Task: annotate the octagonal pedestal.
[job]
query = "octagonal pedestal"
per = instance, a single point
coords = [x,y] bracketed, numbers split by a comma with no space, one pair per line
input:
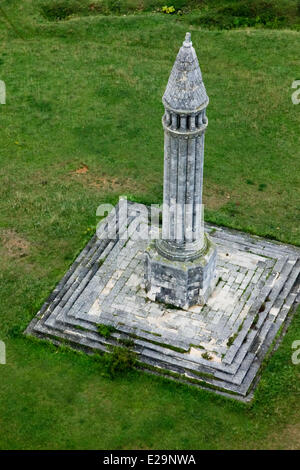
[181,283]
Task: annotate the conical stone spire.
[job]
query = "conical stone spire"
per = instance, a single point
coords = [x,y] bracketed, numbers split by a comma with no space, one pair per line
[185,90]
[180,267]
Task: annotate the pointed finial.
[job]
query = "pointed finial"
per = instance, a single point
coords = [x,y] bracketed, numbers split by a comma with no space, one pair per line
[187,42]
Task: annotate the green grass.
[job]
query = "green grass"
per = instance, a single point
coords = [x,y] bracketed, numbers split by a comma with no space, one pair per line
[81,126]
[105,330]
[230,14]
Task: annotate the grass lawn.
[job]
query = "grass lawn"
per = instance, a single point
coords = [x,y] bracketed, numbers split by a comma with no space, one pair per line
[81,126]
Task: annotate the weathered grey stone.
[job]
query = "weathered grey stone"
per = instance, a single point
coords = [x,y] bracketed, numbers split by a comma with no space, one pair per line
[235,344]
[211,336]
[185,90]
[180,268]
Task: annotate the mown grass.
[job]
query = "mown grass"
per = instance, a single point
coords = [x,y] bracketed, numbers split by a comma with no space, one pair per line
[81,126]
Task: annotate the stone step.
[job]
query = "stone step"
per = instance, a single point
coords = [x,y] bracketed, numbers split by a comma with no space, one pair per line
[276,302]
[269,329]
[254,241]
[68,280]
[265,326]
[266,291]
[221,381]
[93,344]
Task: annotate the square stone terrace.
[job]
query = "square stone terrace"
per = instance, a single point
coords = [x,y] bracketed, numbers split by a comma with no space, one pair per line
[219,345]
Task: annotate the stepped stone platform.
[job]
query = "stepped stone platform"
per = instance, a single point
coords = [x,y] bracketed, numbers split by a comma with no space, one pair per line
[219,346]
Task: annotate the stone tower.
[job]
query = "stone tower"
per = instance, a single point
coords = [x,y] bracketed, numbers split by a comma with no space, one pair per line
[180,266]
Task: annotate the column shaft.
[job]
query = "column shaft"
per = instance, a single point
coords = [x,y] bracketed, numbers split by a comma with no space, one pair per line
[197,209]
[181,191]
[173,186]
[190,190]
[167,168]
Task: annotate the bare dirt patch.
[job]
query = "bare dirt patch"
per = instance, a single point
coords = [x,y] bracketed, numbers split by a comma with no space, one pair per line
[13,245]
[82,170]
[104,182]
[214,196]
[288,438]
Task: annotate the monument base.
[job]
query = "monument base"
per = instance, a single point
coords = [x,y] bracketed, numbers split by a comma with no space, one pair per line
[181,283]
[218,346]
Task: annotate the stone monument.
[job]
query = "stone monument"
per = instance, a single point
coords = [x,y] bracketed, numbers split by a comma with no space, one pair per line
[218,334]
[180,267]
